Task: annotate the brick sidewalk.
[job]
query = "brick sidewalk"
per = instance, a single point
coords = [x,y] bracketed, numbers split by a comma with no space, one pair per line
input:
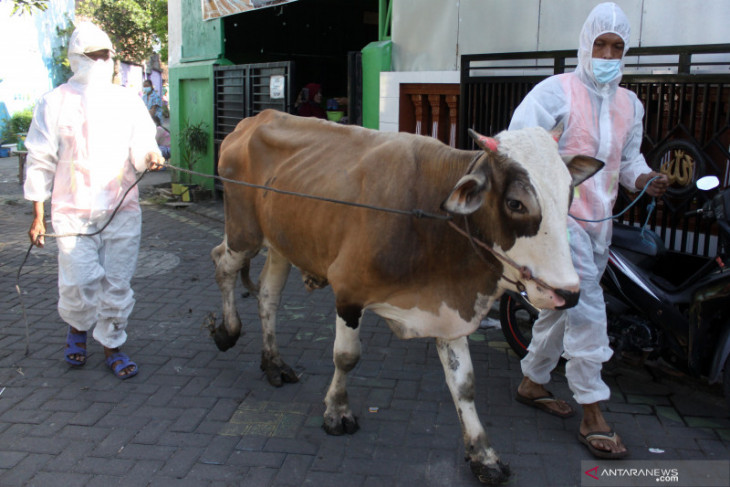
[196,416]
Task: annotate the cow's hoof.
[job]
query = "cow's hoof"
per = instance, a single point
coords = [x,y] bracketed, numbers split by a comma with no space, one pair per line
[490,474]
[223,340]
[277,375]
[346,425]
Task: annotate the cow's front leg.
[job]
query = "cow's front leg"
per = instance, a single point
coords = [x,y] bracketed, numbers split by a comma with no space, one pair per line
[482,458]
[227,265]
[273,278]
[338,417]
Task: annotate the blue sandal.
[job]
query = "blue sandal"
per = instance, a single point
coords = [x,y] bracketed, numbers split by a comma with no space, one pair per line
[73,340]
[124,362]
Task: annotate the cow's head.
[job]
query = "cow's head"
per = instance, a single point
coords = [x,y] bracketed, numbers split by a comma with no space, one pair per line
[516,197]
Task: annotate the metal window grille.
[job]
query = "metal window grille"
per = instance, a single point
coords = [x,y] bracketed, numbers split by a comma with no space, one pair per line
[242,91]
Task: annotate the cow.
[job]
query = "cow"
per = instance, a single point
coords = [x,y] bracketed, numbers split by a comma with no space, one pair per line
[424,235]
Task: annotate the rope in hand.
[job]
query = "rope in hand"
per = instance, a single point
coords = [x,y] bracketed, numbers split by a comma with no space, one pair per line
[54,235]
[651,206]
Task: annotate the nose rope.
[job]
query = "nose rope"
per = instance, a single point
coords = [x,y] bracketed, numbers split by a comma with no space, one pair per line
[524,271]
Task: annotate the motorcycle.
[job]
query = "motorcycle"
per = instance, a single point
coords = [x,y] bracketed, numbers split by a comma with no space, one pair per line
[659,303]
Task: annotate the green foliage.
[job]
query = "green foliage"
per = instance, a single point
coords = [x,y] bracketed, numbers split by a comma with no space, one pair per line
[194,140]
[22,7]
[19,123]
[158,9]
[134,26]
[62,68]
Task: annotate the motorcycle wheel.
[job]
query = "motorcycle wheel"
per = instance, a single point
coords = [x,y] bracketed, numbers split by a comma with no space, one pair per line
[516,318]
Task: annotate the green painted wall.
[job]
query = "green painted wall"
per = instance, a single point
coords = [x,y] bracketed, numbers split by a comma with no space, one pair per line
[191,88]
[201,40]
[192,102]
[376,57]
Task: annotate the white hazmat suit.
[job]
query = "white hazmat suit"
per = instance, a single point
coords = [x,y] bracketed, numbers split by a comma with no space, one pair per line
[87,139]
[604,121]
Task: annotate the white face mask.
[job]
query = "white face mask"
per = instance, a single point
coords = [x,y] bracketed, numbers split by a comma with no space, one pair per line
[606,70]
[93,73]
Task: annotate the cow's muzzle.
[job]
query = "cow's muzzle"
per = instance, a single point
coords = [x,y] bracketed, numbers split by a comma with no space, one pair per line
[570,297]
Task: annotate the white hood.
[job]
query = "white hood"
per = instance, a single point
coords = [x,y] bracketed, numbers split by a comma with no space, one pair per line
[604,18]
[89,38]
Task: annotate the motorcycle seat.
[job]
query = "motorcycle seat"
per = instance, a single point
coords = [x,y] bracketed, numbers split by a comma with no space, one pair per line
[631,238]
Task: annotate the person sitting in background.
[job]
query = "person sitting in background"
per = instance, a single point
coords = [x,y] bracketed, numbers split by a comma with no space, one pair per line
[162,136]
[309,102]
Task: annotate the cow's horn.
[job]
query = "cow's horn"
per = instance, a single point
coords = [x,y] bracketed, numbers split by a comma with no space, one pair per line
[557,131]
[487,143]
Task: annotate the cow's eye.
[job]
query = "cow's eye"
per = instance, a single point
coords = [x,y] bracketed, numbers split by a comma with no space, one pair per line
[516,206]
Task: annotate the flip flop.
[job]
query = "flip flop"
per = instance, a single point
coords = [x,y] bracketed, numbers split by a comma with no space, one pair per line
[73,340]
[601,435]
[542,402]
[124,362]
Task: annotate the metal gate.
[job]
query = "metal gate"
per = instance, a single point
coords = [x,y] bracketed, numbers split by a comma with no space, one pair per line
[247,89]
[686,95]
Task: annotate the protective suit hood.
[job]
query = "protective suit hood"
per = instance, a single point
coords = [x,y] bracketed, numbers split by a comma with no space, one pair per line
[604,18]
[86,38]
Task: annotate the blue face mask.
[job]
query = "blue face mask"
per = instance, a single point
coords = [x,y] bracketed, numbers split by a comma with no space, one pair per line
[606,70]
[147,89]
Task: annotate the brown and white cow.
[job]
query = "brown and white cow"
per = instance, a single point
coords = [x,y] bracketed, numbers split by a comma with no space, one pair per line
[421,275]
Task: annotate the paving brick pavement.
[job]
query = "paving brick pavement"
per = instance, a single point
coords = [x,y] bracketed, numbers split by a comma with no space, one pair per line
[196,416]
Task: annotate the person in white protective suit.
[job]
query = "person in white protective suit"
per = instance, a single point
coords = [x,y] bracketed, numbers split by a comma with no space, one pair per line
[602,120]
[86,140]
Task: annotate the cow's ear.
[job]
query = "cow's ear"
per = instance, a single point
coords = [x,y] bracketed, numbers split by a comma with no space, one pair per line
[582,167]
[489,144]
[467,196]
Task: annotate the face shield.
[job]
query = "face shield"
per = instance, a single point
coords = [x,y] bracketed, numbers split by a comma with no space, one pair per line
[604,18]
[85,39]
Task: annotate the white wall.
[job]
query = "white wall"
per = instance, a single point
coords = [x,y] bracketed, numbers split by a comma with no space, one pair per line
[431,35]
[425,34]
[174,32]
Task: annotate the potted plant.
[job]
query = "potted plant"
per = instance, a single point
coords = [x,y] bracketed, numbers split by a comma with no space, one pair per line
[194,143]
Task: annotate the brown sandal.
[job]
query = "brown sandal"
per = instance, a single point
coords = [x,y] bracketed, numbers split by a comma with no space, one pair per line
[542,402]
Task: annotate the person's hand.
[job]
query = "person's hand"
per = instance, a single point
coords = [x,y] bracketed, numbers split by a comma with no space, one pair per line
[657,188]
[154,161]
[36,232]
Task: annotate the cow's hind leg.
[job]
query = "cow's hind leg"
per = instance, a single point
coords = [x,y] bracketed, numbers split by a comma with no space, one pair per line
[228,263]
[338,417]
[482,458]
[272,281]
[251,287]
